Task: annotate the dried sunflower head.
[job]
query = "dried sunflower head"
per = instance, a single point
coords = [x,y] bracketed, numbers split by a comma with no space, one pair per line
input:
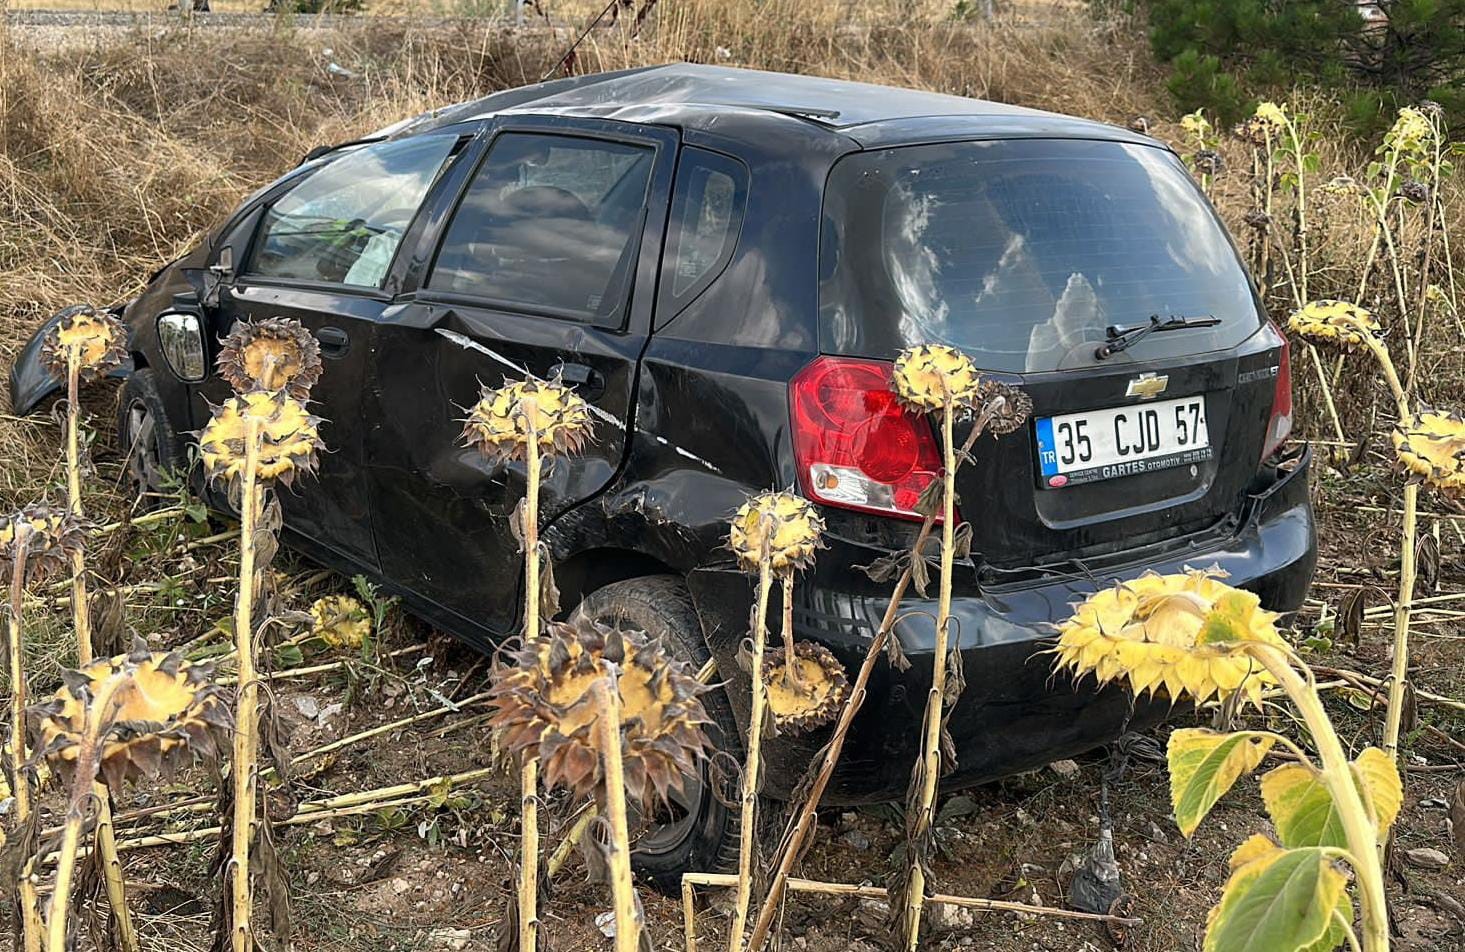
[95,341]
[1209,162]
[288,435]
[933,376]
[45,537]
[546,705]
[788,525]
[1181,632]
[501,421]
[167,713]
[340,621]
[1340,186]
[273,354]
[1339,323]
[1006,407]
[815,693]
[1431,446]
[1414,191]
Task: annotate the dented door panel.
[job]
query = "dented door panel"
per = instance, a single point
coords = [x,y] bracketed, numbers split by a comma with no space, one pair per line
[442,511]
[442,514]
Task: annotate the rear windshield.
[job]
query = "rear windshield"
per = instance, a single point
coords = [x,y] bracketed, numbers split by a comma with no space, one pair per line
[1023,252]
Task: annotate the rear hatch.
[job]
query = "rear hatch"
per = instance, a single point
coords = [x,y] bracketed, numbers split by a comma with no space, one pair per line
[1030,255]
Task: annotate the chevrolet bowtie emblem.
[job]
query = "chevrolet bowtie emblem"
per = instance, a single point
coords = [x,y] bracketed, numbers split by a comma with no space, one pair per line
[1147,386]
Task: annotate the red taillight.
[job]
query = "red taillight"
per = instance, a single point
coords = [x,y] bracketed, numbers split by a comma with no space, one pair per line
[853,444]
[1279,426]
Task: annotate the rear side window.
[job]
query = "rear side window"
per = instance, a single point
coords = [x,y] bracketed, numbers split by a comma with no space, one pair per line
[550,224]
[1023,252]
[343,222]
[707,214]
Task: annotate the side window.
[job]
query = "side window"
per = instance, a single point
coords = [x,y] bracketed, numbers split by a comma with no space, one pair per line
[550,224]
[343,223]
[707,214]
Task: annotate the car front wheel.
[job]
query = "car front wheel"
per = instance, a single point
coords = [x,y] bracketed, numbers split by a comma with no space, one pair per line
[697,830]
[146,439]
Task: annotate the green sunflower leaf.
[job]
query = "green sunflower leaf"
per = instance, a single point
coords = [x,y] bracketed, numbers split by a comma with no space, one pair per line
[1204,765]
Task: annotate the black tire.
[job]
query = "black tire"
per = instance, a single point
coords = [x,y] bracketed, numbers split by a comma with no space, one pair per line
[701,832]
[146,439]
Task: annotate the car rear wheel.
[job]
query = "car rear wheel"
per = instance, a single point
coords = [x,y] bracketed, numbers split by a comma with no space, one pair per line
[697,831]
[146,439]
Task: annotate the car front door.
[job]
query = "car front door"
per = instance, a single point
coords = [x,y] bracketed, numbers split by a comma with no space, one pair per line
[321,253]
[544,266]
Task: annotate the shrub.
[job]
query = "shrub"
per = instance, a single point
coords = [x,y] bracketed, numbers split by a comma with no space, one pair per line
[1402,51]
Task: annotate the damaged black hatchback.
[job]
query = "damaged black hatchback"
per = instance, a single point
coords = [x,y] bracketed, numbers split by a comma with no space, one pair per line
[724,263]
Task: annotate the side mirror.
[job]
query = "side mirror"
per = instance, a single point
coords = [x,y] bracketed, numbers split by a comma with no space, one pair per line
[220,274]
[180,336]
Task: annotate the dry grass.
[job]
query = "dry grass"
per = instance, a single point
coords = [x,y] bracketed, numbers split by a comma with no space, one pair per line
[116,152]
[119,148]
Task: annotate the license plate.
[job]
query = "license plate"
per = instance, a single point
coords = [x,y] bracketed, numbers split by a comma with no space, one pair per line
[1078,448]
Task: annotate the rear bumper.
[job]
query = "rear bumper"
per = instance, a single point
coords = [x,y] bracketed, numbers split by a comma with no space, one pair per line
[1015,714]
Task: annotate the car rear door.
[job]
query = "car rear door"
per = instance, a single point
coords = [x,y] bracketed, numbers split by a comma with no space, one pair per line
[321,253]
[545,265]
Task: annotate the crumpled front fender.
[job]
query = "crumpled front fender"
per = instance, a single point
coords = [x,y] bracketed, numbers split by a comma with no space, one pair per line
[30,382]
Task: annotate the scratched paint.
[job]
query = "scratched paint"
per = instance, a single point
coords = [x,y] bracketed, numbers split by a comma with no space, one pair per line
[469,343]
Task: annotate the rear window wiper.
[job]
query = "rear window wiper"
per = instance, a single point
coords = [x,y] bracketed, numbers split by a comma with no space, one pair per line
[1123,338]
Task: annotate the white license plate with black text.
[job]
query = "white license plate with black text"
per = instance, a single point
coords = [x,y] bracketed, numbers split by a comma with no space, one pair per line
[1085,447]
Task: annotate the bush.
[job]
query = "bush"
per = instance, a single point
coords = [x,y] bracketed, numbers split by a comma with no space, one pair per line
[1402,51]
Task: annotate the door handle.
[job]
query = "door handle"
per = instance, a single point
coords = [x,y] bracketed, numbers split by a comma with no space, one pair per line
[586,381]
[334,342]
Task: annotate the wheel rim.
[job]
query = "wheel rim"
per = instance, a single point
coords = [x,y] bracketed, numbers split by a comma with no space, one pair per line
[666,827]
[670,825]
[143,463]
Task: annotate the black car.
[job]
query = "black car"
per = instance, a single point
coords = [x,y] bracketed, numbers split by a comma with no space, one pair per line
[725,262]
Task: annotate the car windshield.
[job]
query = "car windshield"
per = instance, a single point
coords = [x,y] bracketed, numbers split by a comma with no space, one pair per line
[1023,253]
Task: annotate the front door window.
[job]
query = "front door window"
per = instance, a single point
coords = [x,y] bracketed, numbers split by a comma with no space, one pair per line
[342,224]
[550,225]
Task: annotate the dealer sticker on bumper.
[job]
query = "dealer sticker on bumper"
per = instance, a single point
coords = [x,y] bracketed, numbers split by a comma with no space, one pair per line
[1086,447]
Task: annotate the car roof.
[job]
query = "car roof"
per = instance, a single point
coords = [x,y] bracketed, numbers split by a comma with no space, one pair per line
[697,96]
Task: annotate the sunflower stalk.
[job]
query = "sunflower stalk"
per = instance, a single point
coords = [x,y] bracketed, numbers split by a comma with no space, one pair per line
[748,811]
[1350,325]
[1337,774]
[529,766]
[111,864]
[919,827]
[790,668]
[861,891]
[100,712]
[1298,279]
[801,826]
[80,610]
[243,775]
[561,854]
[30,915]
[623,890]
[797,836]
[1403,603]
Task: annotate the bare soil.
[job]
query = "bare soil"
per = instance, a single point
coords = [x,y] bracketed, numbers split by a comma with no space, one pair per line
[438,873]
